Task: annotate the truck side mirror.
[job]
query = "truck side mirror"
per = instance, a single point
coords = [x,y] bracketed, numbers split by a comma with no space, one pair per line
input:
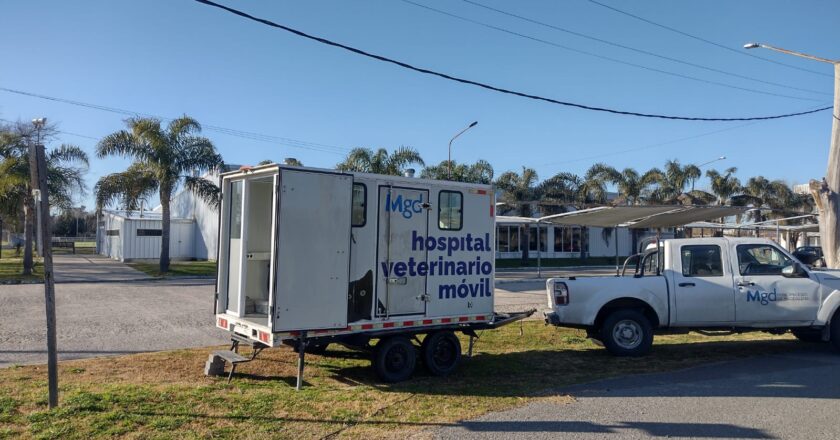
[794,270]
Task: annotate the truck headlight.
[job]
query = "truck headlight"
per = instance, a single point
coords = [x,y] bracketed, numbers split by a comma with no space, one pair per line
[561,294]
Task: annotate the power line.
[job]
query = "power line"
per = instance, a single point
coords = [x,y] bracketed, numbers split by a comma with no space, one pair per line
[603,57]
[483,85]
[637,50]
[704,40]
[289,142]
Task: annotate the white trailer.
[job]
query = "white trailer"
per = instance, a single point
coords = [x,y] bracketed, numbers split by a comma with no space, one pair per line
[308,257]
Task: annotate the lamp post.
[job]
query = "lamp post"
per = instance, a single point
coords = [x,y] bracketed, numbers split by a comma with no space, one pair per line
[704,164]
[825,193]
[39,124]
[449,162]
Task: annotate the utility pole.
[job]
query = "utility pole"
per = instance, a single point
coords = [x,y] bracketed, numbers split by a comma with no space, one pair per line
[38,179]
[826,193]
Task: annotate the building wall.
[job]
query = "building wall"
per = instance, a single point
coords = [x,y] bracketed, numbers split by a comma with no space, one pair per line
[124,242]
[206,234]
[596,242]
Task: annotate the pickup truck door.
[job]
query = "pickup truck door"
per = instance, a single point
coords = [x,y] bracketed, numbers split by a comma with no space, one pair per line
[703,285]
[763,295]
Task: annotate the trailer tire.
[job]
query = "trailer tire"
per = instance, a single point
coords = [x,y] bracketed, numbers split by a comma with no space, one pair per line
[441,352]
[807,335]
[627,332]
[394,359]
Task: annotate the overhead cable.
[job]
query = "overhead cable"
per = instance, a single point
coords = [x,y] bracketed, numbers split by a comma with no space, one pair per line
[487,86]
[637,50]
[289,142]
[739,51]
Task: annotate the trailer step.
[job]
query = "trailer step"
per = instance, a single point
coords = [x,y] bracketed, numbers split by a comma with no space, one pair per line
[231,356]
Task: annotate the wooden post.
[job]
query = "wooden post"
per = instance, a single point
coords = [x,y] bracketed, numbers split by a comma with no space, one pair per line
[38,179]
[827,193]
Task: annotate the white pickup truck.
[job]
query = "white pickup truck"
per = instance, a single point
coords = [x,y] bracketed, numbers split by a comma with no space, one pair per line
[707,284]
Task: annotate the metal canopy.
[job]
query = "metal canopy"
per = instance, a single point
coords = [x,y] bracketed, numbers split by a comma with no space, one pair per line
[641,216]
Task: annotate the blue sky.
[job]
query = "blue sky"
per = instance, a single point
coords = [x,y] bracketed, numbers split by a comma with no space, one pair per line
[178,57]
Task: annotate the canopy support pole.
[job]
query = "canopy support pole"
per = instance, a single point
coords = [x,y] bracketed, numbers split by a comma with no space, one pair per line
[615,238]
[539,252]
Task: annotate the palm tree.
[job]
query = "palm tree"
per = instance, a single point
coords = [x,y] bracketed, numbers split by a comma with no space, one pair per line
[631,186]
[163,159]
[774,195]
[66,166]
[724,186]
[479,172]
[521,191]
[365,160]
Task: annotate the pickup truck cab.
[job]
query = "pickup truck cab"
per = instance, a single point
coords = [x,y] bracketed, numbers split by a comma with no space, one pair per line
[707,284]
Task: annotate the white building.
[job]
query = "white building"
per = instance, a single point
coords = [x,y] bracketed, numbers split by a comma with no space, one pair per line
[136,235]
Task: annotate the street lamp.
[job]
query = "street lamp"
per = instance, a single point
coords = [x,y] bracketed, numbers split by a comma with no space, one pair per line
[704,164]
[449,163]
[825,192]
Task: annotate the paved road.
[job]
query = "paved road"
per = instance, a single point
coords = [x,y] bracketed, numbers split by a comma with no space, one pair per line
[91,268]
[790,396]
[103,319]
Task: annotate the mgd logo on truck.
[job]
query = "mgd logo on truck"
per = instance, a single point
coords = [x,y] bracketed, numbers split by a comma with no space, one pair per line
[763,297]
[407,207]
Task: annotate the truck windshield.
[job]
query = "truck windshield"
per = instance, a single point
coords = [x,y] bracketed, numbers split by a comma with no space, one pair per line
[761,259]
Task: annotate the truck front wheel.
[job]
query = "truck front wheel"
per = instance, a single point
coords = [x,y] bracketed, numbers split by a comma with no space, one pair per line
[627,333]
[394,359]
[835,331]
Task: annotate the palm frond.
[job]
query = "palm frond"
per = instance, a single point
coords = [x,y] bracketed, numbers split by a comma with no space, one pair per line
[204,189]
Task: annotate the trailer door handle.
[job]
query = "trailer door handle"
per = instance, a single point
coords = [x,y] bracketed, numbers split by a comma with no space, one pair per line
[745,283]
[686,284]
[400,281]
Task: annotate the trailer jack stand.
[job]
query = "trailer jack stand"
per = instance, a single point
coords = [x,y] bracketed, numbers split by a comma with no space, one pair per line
[473,336]
[301,356]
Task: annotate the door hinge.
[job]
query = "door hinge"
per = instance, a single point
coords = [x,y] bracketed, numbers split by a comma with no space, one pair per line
[400,281]
[424,297]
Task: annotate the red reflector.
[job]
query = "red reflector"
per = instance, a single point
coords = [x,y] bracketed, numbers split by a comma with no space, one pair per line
[479,318]
[481,191]
[492,210]
[264,337]
[367,326]
[294,333]
[387,325]
[223,322]
[408,323]
[428,321]
[445,320]
[463,318]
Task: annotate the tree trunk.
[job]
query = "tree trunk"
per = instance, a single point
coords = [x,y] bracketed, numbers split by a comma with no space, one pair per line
[28,232]
[826,193]
[165,226]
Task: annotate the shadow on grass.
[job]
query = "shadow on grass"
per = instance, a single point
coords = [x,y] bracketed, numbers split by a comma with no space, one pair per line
[531,373]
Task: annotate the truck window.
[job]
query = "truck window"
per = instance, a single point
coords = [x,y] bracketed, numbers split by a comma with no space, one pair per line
[358,218]
[701,261]
[760,259]
[450,210]
[649,263]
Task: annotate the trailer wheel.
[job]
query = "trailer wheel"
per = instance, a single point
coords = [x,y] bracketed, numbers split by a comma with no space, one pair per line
[627,332]
[394,359]
[807,335]
[441,353]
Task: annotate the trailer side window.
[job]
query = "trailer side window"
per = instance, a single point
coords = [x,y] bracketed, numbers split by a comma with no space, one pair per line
[359,215]
[450,210]
[701,261]
[149,232]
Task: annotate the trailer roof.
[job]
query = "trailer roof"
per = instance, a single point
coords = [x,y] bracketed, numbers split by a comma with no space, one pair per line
[401,179]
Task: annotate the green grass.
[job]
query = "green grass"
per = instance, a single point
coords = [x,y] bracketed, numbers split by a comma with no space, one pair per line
[165,395]
[178,268]
[558,262]
[11,266]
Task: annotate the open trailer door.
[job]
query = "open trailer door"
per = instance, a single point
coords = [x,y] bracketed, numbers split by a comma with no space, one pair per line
[312,261]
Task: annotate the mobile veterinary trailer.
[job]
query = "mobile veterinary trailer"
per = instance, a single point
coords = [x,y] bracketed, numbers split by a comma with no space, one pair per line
[308,257]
